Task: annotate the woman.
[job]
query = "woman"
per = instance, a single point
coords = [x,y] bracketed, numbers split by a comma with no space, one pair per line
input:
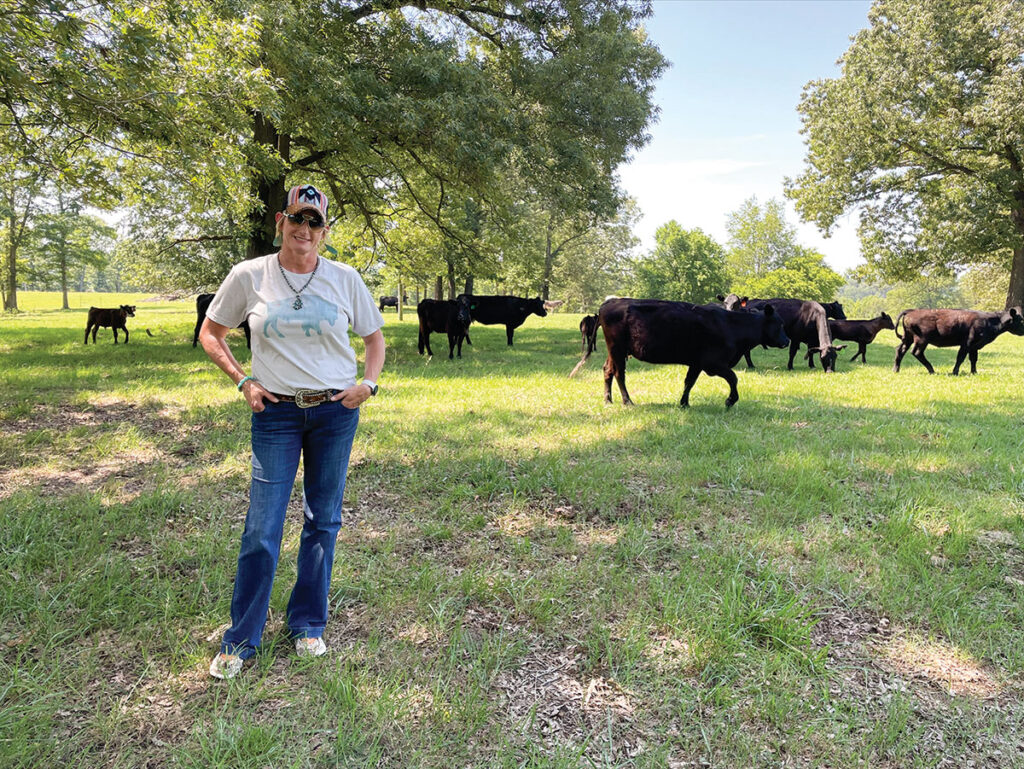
[305,401]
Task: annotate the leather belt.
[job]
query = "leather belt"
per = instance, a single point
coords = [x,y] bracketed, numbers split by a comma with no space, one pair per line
[305,399]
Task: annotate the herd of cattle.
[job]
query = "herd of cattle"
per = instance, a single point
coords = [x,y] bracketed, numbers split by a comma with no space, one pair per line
[709,338]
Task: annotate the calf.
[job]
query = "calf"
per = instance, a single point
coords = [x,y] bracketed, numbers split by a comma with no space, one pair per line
[708,339]
[588,330]
[388,301]
[108,317]
[202,305]
[863,332]
[510,311]
[969,329]
[443,317]
[805,322]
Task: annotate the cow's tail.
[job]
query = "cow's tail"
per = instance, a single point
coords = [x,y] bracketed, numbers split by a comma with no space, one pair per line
[150,332]
[896,325]
[580,364]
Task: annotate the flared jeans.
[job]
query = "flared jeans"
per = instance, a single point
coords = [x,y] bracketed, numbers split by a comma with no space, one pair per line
[281,433]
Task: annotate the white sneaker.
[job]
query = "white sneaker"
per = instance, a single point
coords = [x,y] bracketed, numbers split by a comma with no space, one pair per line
[310,647]
[226,666]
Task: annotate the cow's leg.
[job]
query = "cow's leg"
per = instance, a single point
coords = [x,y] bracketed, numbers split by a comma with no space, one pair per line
[861,352]
[961,354]
[810,356]
[451,346]
[691,379]
[794,348]
[509,331]
[617,369]
[750,363]
[458,340]
[973,355]
[419,341]
[195,334]
[729,376]
[900,352]
[918,352]
[125,330]
[86,334]
[426,342]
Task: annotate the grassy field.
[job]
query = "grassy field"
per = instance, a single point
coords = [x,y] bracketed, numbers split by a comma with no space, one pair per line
[829,574]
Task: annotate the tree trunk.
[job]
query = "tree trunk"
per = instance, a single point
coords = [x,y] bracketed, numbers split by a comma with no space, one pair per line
[549,260]
[401,297]
[11,287]
[62,251]
[439,288]
[271,192]
[469,285]
[1015,294]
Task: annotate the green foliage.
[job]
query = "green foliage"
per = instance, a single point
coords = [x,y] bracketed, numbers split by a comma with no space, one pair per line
[686,265]
[922,133]
[983,287]
[760,239]
[927,291]
[804,276]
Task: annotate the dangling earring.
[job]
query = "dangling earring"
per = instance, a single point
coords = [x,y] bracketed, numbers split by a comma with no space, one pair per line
[277,238]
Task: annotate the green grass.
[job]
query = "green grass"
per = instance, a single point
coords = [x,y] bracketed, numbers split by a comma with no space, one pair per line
[828,574]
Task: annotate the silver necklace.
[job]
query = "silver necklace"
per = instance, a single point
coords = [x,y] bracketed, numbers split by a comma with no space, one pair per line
[297,304]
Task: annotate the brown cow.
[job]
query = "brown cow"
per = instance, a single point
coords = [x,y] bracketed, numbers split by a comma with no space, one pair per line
[863,332]
[708,339]
[108,317]
[969,329]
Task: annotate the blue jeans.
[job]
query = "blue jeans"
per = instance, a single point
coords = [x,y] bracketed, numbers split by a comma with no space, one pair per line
[322,435]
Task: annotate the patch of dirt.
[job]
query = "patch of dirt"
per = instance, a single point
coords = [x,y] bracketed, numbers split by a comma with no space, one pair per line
[548,700]
[872,661]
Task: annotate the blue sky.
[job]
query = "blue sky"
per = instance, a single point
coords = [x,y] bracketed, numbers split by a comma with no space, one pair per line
[728,127]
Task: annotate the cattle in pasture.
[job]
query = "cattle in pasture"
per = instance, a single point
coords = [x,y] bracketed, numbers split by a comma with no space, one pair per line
[708,339]
[863,332]
[588,331]
[443,317]
[970,330]
[392,301]
[508,311]
[805,322]
[202,305]
[113,318]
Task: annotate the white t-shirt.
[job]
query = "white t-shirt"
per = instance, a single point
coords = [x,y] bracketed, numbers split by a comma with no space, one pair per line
[304,348]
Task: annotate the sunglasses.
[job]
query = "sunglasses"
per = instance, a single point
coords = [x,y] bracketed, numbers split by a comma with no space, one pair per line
[315,221]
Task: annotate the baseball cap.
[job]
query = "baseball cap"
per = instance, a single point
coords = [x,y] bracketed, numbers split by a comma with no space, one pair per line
[305,197]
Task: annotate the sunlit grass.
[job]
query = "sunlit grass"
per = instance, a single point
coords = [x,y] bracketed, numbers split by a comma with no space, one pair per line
[527,577]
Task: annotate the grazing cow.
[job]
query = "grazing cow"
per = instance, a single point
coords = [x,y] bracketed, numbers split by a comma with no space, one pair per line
[202,305]
[108,317]
[863,332]
[708,339]
[443,317]
[969,329]
[588,330]
[509,311]
[806,323]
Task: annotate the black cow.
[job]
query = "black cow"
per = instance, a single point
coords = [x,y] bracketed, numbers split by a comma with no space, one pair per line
[806,323]
[969,329]
[708,339]
[588,330]
[509,311]
[392,301]
[108,317]
[863,332]
[443,317]
[202,305]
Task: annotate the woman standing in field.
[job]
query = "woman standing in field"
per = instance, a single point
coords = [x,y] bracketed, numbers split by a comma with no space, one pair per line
[305,401]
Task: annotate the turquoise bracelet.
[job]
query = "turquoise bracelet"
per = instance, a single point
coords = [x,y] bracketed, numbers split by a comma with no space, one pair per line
[242,381]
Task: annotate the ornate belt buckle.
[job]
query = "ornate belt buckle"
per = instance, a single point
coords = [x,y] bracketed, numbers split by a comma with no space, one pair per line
[305,399]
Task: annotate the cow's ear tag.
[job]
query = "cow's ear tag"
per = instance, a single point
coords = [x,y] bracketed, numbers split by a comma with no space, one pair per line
[472,307]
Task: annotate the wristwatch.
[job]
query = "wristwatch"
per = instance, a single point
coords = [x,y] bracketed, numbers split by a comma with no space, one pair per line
[372,385]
